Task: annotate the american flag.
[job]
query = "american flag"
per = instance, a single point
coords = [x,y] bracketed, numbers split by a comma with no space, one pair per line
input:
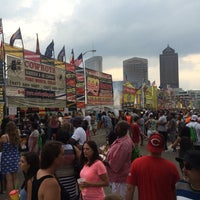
[79,60]
[1,26]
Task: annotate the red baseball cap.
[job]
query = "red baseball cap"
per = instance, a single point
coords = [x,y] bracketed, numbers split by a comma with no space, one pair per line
[155,143]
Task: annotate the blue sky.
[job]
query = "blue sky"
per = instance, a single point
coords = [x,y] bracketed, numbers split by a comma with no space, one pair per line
[117,29]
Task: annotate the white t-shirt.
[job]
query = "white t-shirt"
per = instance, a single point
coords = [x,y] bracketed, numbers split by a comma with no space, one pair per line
[163,120]
[88,118]
[79,135]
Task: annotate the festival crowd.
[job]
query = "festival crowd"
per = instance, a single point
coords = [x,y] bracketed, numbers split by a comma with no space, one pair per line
[60,161]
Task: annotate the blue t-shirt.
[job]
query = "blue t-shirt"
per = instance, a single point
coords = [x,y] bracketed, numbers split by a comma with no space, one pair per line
[107,121]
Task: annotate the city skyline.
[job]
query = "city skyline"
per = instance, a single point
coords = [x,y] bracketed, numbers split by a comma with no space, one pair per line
[117,29]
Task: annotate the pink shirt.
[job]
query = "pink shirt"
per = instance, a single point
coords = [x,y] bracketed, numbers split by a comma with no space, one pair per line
[119,159]
[92,174]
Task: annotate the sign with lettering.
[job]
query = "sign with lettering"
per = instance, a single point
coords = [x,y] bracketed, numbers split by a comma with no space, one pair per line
[99,88]
[34,75]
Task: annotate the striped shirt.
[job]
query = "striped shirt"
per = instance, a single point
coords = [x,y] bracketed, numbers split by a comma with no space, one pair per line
[185,192]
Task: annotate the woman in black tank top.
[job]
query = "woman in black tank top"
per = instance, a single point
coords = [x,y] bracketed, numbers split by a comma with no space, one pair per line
[45,184]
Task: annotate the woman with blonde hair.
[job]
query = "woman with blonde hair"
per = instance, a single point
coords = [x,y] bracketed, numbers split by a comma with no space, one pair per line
[10,155]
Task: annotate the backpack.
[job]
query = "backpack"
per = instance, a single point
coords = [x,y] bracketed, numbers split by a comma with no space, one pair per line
[193,134]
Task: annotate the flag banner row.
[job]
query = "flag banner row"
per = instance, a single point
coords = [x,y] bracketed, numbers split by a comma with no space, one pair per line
[49,52]
[29,77]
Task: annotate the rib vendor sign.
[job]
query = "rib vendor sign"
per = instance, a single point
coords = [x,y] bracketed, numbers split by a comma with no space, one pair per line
[99,88]
[34,75]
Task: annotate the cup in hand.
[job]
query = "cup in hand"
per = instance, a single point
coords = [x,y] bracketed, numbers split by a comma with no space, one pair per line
[14,195]
[80,180]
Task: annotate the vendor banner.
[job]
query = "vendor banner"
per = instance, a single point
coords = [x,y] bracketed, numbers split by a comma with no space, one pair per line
[34,75]
[99,88]
[80,87]
[129,94]
[1,93]
[70,87]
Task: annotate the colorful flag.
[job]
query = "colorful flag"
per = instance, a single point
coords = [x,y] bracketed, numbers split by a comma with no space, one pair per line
[72,57]
[37,46]
[1,26]
[49,50]
[16,35]
[79,60]
[61,54]
[29,55]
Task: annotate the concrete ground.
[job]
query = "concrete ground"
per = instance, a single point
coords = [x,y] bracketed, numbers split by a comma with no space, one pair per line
[100,139]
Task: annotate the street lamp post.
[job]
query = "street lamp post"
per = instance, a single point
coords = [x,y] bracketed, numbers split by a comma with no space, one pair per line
[84,71]
[92,51]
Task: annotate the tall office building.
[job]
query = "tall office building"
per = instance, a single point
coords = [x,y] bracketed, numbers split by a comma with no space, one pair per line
[94,63]
[169,75]
[135,70]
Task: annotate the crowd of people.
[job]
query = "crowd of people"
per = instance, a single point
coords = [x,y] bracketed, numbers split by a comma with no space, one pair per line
[60,161]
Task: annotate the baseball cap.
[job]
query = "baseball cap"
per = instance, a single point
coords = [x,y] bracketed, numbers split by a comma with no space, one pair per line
[192,158]
[194,118]
[155,143]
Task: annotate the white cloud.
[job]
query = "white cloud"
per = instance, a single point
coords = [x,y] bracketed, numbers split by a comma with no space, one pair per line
[189,68]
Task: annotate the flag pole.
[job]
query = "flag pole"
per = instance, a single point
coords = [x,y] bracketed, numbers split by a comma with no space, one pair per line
[3,72]
[53,52]
[37,51]
[65,54]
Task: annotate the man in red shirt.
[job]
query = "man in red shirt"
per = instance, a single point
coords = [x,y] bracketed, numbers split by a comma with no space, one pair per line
[154,176]
[135,130]
[128,118]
